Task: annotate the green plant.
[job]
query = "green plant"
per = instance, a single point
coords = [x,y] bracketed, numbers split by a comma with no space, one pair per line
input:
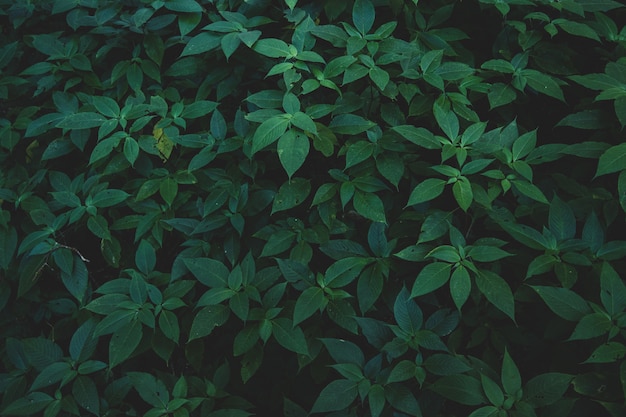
[369,207]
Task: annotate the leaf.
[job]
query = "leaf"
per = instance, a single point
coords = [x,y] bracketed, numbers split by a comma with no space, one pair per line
[462,389]
[510,376]
[563,302]
[210,272]
[293,148]
[201,43]
[370,206]
[273,48]
[350,124]
[462,191]
[124,342]
[268,132]
[363,15]
[426,190]
[310,300]
[108,198]
[337,395]
[543,84]
[344,271]
[407,313]
[402,399]
[586,119]
[430,278]
[612,160]
[28,405]
[418,135]
[150,389]
[291,194]
[546,389]
[529,190]
[590,326]
[85,120]
[86,394]
[376,400]
[184,6]
[369,287]
[145,257]
[492,391]
[278,242]
[500,95]
[289,336]
[497,291]
[561,220]
[612,290]
[207,319]
[607,353]
[77,282]
[460,286]
[343,351]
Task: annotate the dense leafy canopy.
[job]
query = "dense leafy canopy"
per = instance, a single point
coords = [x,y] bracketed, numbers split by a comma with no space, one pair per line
[290,207]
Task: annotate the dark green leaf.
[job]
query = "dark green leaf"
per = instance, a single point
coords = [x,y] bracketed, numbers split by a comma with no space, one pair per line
[430,278]
[462,389]
[337,395]
[497,291]
[563,302]
[546,389]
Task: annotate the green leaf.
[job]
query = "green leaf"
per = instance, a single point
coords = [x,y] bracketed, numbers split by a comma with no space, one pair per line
[268,132]
[245,340]
[561,220]
[430,278]
[289,336]
[563,302]
[407,313]
[350,124]
[291,194]
[293,148]
[586,119]
[484,253]
[86,394]
[85,120]
[376,400]
[463,194]
[546,389]
[183,6]
[403,371]
[207,319]
[543,83]
[370,206]
[363,15]
[460,286]
[311,300]
[492,391]
[369,287]
[462,389]
[150,389]
[402,399]
[607,353]
[529,190]
[510,376]
[612,290]
[210,272]
[201,43]
[278,242]
[590,326]
[145,257]
[124,342]
[612,160]
[418,135]
[343,351]
[51,374]
[426,190]
[168,323]
[358,152]
[337,395]
[77,282]
[273,48]
[28,405]
[108,198]
[500,95]
[344,271]
[497,291]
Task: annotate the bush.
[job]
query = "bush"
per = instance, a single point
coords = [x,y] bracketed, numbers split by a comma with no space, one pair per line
[360,208]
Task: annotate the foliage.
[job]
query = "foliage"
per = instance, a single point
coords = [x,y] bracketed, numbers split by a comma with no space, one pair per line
[370,207]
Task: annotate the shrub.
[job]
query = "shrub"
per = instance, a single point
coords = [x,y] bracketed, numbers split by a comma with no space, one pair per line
[359,208]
